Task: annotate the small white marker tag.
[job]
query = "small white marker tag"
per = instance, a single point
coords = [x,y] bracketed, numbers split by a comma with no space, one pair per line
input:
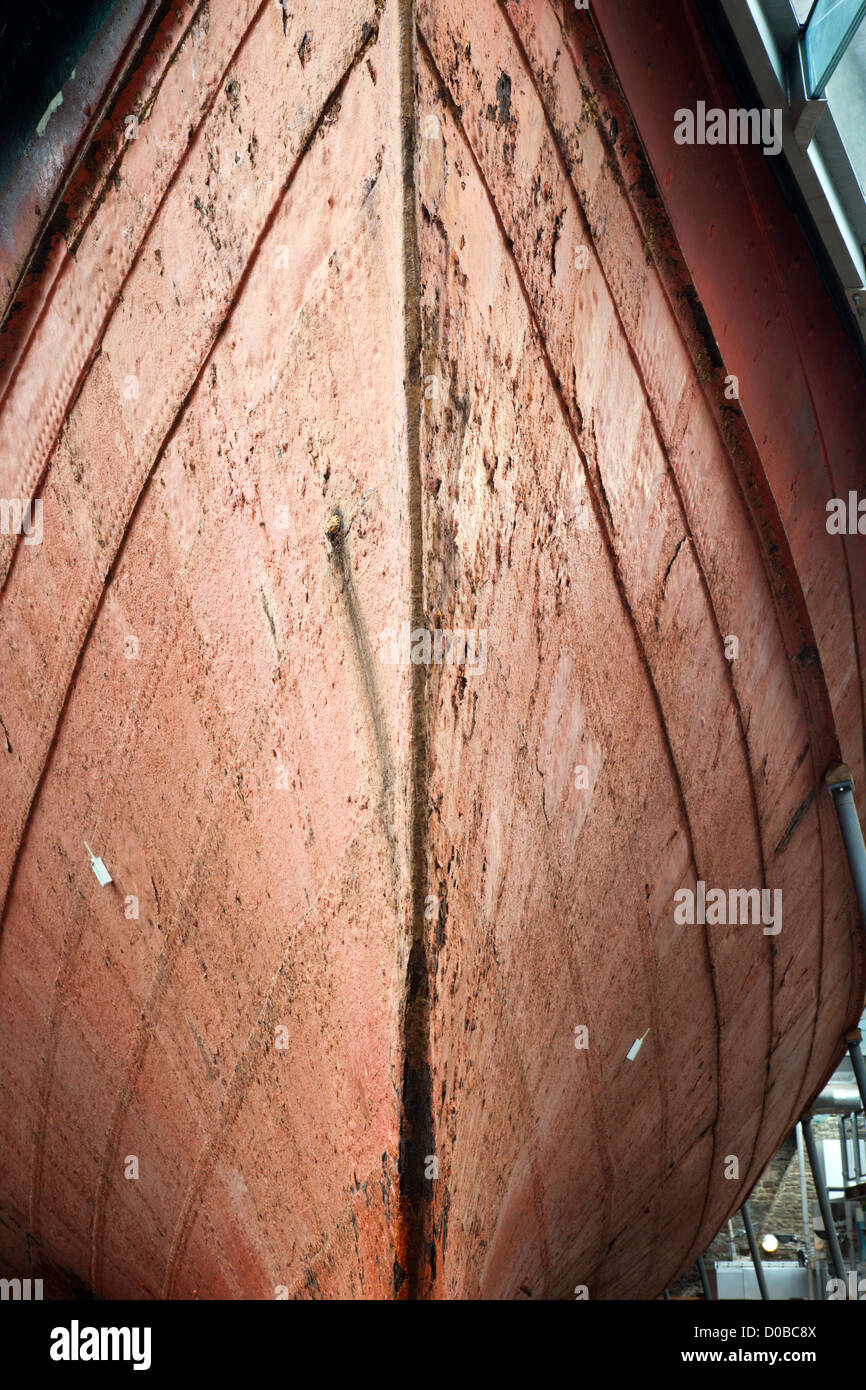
[635,1048]
[103,877]
[101,872]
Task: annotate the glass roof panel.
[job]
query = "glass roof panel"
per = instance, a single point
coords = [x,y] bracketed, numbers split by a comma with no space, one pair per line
[830,26]
[846,93]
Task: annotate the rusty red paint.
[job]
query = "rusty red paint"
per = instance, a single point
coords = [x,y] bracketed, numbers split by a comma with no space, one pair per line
[276,408]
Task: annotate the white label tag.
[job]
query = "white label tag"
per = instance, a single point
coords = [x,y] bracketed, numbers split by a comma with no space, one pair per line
[102,875]
[101,872]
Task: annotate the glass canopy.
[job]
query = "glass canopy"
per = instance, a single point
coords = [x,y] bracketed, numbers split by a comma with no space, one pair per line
[830,28]
[846,93]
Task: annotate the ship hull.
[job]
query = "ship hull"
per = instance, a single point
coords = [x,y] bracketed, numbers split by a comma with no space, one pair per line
[415,621]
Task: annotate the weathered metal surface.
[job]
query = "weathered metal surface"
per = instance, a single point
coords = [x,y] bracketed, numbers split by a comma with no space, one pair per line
[376,323]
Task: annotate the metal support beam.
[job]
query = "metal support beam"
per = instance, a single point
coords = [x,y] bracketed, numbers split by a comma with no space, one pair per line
[841,785]
[823,1201]
[702,1270]
[843,1140]
[804,1202]
[856,1055]
[753,1246]
[806,111]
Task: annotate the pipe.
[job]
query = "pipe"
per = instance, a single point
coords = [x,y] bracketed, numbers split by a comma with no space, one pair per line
[850,1240]
[731,1241]
[843,1140]
[836,1100]
[855,1125]
[804,1212]
[823,1201]
[841,784]
[804,1198]
[702,1270]
[856,1055]
[753,1246]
